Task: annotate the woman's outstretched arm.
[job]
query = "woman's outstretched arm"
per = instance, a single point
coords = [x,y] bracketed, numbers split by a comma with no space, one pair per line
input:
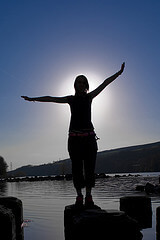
[95,92]
[46,99]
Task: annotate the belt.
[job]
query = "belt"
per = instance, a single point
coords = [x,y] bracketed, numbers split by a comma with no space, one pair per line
[85,134]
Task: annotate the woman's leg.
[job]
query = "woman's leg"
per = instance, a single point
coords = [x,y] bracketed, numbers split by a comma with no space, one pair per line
[88,191]
[79,191]
[89,167]
[77,173]
[89,163]
[75,152]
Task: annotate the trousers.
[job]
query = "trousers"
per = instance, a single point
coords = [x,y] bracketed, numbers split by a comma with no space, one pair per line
[83,151]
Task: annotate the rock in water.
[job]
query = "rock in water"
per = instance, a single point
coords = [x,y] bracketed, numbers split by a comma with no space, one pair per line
[97,223]
[139,208]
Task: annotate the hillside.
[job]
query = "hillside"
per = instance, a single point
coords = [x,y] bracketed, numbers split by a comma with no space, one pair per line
[141,158]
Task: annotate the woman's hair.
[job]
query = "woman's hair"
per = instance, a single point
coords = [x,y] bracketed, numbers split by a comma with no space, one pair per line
[85,81]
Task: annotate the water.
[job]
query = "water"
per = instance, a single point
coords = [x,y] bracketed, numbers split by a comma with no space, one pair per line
[44,202]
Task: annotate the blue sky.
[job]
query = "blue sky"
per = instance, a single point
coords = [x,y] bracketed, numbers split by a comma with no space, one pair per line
[45,44]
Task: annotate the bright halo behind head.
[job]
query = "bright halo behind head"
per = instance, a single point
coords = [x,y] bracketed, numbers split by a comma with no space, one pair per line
[101,103]
[67,85]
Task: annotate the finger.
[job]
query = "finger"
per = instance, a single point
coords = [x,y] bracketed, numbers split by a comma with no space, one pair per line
[25,98]
[123,65]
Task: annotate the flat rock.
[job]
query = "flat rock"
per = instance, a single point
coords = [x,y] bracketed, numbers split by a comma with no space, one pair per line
[96,223]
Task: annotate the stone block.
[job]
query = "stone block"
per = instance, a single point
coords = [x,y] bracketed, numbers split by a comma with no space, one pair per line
[7,223]
[99,224]
[138,208]
[15,205]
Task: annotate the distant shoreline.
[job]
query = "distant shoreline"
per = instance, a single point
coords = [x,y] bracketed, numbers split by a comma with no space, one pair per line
[69,177]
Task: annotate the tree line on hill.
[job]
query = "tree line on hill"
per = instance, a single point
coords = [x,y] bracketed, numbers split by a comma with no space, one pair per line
[141,158]
[3,167]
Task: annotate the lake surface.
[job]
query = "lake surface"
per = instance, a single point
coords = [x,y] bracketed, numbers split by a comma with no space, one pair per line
[44,202]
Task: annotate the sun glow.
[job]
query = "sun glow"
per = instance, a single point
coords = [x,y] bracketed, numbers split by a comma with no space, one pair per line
[67,85]
[101,104]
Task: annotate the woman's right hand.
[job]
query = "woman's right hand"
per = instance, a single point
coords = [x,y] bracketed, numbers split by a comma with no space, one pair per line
[27,98]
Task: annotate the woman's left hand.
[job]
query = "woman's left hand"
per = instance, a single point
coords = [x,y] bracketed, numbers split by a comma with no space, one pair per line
[122,67]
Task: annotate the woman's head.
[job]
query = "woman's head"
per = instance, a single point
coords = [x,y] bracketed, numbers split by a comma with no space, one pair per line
[81,84]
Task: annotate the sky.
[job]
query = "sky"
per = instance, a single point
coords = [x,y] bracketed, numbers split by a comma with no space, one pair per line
[45,44]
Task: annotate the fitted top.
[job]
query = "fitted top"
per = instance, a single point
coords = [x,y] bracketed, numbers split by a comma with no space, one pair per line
[80,113]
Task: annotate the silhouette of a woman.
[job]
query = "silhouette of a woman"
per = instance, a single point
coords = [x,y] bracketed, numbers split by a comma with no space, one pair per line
[82,144]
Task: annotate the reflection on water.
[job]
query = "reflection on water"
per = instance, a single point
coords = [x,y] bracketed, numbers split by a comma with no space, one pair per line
[3,188]
[44,202]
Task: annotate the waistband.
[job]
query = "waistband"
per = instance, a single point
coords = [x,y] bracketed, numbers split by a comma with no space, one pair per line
[85,134]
